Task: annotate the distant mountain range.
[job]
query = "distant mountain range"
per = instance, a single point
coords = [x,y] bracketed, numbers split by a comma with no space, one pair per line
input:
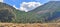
[49,12]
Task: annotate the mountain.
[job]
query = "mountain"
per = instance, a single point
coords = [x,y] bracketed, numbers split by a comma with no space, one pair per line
[47,13]
[6,12]
[50,10]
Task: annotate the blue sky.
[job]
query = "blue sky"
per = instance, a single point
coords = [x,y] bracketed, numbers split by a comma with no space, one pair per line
[18,2]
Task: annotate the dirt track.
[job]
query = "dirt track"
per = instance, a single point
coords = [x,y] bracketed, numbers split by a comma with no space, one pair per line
[30,25]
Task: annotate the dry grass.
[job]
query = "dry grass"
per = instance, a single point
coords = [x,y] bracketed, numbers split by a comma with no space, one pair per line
[30,25]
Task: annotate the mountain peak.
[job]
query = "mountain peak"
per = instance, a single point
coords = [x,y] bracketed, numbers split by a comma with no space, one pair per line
[49,4]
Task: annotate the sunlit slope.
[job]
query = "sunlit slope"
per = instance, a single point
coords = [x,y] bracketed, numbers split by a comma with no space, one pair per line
[6,13]
[49,12]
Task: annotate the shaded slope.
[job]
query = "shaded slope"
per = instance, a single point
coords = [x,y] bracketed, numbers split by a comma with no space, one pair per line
[6,13]
[52,8]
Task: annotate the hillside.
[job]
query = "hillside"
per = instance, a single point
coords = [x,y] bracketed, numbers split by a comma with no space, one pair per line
[6,13]
[49,12]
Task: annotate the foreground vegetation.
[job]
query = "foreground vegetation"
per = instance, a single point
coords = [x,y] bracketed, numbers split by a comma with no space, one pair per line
[30,25]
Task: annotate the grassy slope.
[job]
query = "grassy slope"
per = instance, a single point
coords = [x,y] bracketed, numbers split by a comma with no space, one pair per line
[48,12]
[52,9]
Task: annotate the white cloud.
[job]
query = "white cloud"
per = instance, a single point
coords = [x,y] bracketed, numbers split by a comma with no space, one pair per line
[28,6]
[1,0]
[15,6]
